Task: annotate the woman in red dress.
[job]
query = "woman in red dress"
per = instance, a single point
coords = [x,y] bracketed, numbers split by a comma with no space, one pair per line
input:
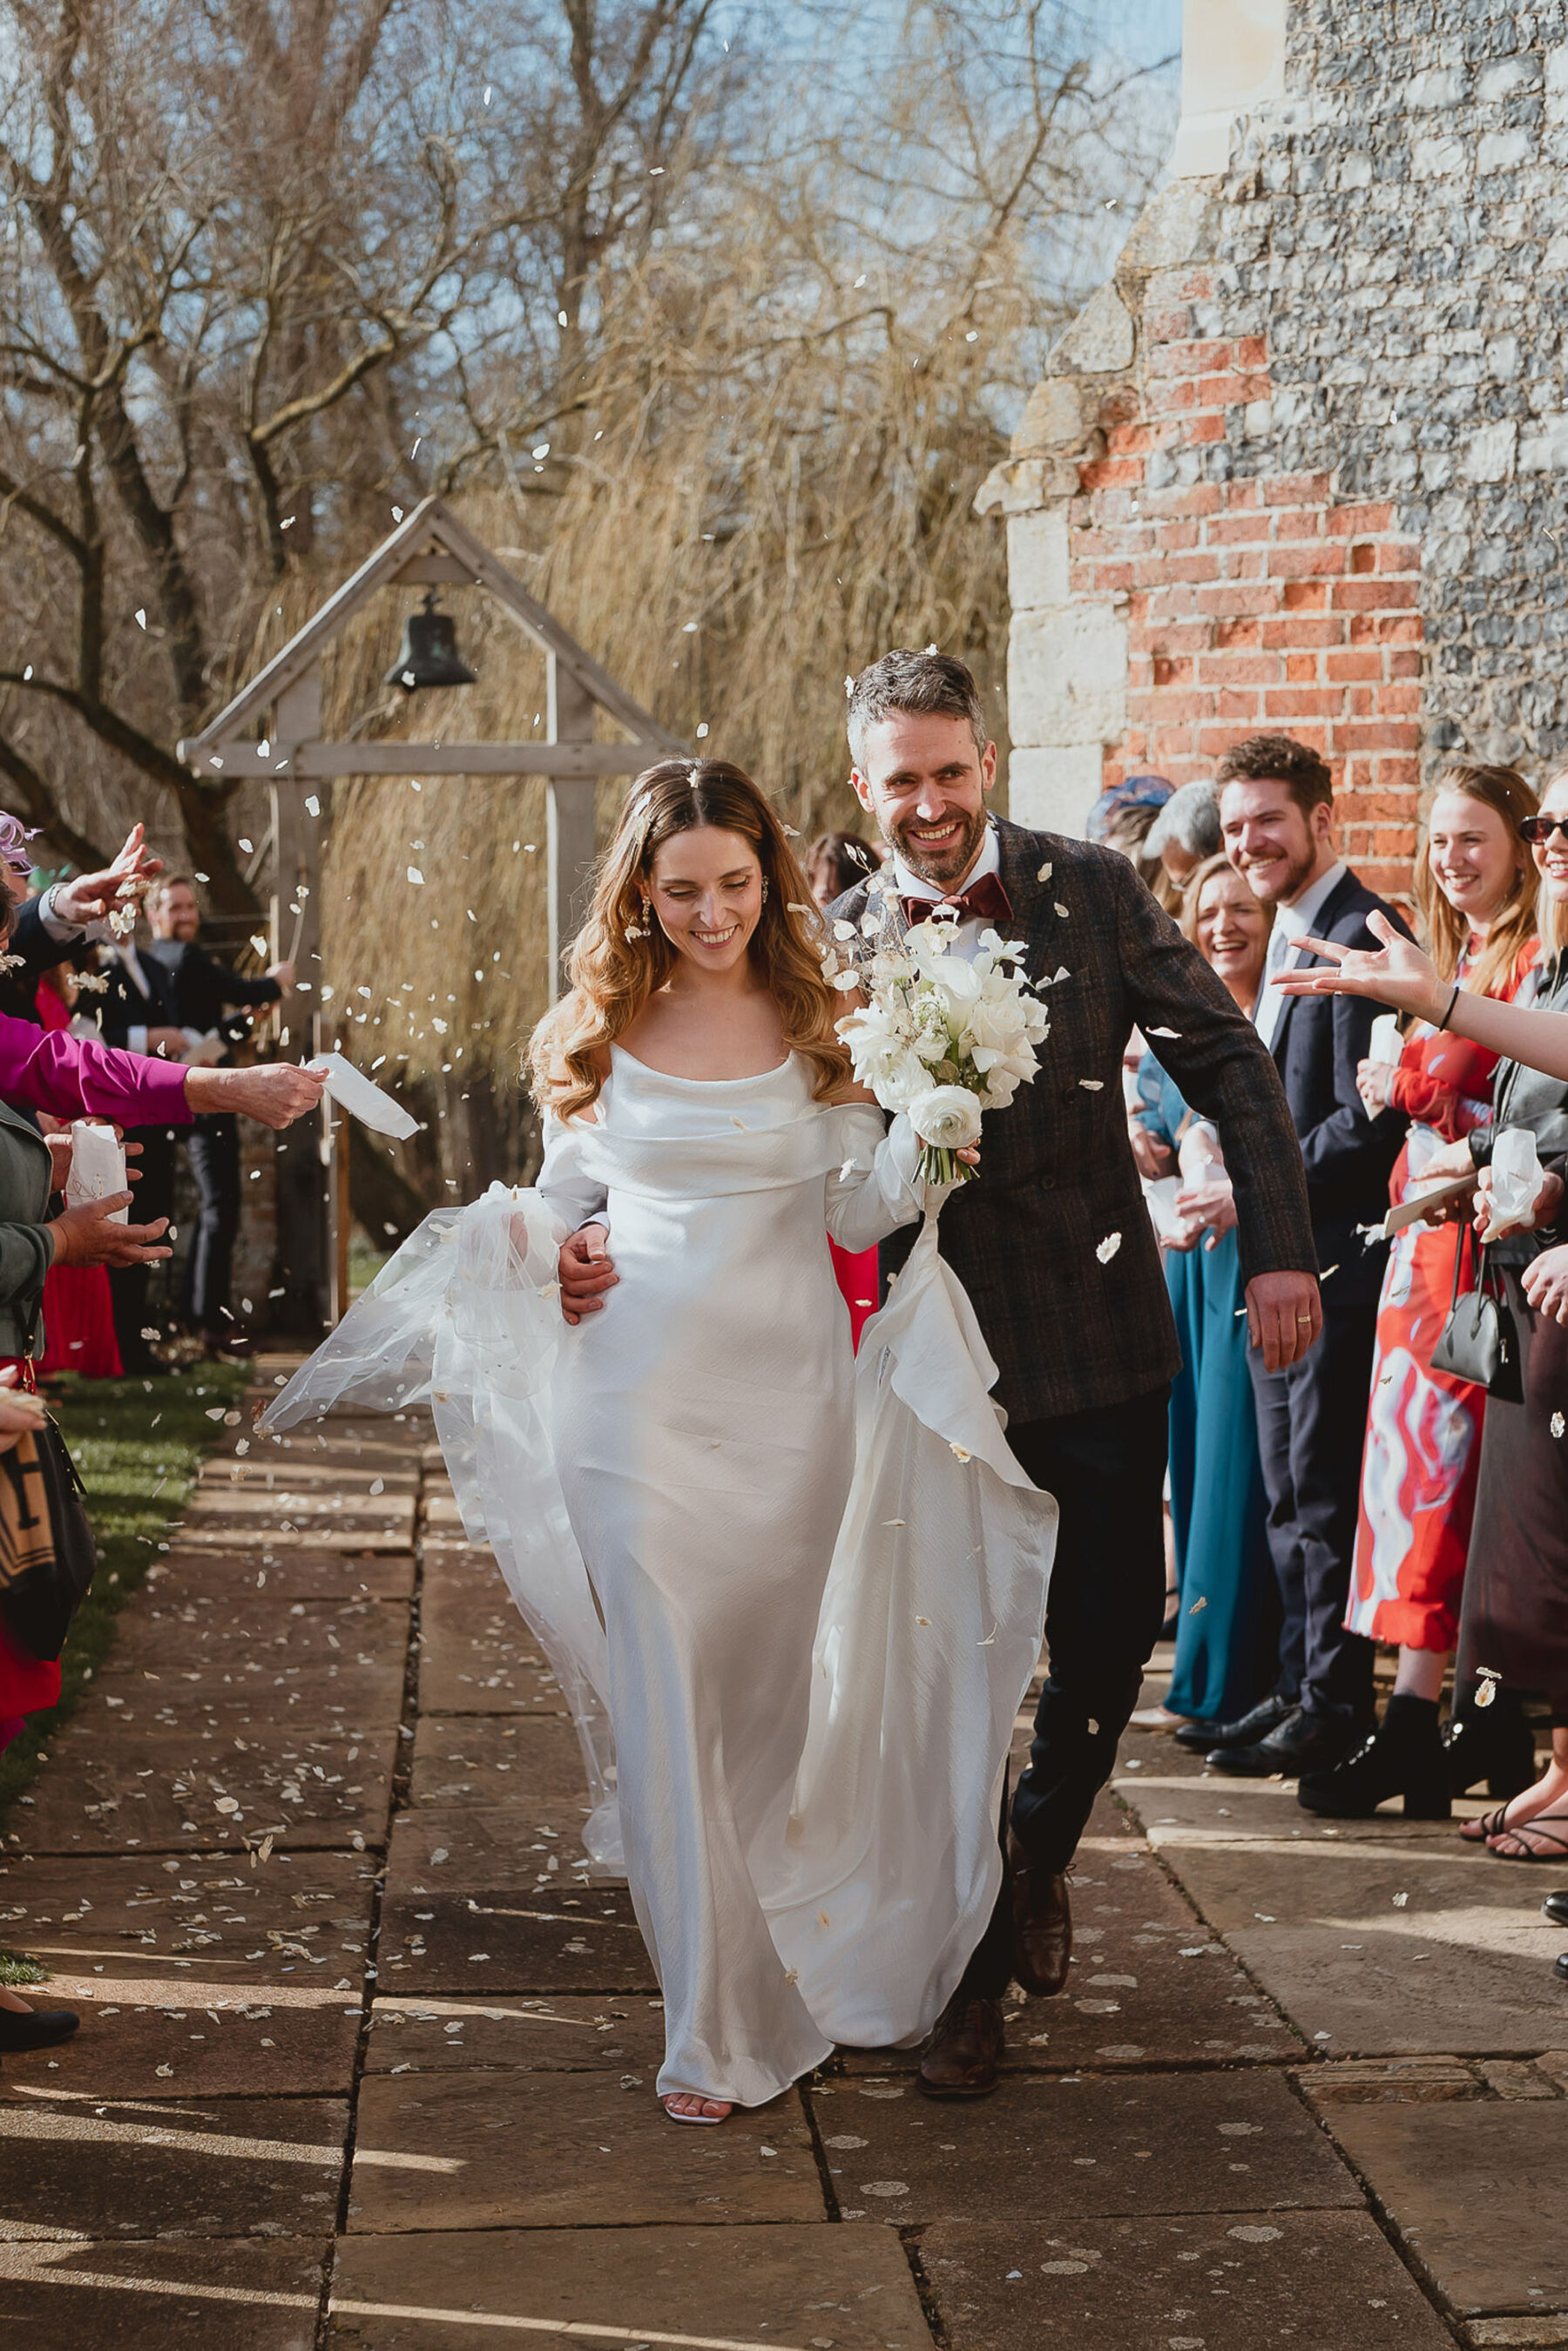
[1475,889]
[78,1314]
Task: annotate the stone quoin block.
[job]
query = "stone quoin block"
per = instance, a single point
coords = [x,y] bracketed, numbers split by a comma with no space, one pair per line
[1067,675]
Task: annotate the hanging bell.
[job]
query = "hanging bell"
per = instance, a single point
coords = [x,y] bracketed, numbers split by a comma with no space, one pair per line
[429,654]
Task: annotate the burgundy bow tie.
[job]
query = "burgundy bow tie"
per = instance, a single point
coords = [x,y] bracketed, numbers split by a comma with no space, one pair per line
[985,900]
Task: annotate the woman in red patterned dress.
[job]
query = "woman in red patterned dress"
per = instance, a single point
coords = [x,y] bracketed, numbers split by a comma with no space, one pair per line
[1475,889]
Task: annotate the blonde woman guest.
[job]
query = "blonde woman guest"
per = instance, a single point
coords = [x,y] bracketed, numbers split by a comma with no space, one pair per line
[1475,890]
[1513,1623]
[1225,1581]
[810,1732]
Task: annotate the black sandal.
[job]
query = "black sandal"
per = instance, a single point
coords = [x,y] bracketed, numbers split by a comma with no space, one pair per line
[1489,1824]
[1559,1845]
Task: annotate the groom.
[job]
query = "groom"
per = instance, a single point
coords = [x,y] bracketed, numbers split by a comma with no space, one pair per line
[1055,1248]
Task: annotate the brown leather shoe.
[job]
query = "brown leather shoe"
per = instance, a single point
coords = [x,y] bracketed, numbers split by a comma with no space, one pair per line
[1043,1923]
[963,2057]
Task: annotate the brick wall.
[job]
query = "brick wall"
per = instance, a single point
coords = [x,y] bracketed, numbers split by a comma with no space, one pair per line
[1303,462]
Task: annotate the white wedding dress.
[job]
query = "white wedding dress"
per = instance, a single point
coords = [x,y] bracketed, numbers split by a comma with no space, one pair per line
[819,1586]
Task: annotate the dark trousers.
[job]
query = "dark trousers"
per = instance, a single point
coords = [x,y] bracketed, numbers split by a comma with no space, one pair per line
[1312,1426]
[152,1196]
[215,1164]
[1106,1469]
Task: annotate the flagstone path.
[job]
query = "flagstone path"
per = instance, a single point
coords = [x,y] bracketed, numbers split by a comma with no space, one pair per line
[365,2062]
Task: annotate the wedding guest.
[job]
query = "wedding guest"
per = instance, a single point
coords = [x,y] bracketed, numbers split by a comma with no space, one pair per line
[204,991]
[835,863]
[1475,892]
[138,1012]
[1514,1619]
[1277,812]
[1225,1581]
[79,1318]
[31,1244]
[1185,831]
[61,916]
[1127,828]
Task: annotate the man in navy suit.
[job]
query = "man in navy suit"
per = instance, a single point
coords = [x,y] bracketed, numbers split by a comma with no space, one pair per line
[1277,818]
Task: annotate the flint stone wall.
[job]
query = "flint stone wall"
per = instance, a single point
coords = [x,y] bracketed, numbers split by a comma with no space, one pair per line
[1303,463]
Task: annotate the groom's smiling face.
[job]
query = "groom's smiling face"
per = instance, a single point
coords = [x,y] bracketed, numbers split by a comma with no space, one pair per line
[925,779]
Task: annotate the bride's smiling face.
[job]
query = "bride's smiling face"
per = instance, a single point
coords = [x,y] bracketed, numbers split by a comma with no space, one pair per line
[706,893]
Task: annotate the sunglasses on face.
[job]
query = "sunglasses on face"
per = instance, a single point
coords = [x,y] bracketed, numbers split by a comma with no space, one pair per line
[1539,829]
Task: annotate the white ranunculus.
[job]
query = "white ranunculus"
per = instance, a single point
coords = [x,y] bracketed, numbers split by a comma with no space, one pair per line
[945,1117]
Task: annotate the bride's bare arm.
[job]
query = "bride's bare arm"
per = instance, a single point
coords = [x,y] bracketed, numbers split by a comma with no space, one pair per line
[1401,976]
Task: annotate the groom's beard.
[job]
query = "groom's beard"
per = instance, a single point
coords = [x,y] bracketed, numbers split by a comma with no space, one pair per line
[946,866]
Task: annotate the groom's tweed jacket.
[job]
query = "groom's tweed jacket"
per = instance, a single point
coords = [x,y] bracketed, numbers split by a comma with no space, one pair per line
[1057,1178]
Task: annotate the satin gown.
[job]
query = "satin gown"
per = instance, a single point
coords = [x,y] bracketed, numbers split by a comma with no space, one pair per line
[804,1597]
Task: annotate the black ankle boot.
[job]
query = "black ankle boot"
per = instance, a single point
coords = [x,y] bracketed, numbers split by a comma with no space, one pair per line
[1404,1757]
[1493,1743]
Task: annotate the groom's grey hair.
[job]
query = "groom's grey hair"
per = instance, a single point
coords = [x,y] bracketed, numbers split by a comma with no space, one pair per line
[925,686]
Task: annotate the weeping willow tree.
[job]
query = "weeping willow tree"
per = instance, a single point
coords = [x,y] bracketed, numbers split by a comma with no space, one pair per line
[759,475]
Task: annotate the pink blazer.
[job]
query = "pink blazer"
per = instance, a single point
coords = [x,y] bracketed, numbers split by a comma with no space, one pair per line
[75,1077]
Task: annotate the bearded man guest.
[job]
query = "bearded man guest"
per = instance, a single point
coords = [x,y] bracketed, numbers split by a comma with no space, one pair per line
[1277,819]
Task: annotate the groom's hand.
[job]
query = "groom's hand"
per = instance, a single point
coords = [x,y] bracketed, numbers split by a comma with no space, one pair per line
[1285,1316]
[585,1271]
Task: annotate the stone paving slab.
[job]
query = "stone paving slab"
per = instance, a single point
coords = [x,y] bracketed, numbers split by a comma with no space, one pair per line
[164,2297]
[1310,2282]
[188,1576]
[239,1630]
[749,2287]
[1472,2191]
[343,1473]
[475,1654]
[235,2167]
[156,2038]
[301,1704]
[493,1845]
[262,1686]
[516,2150]
[1437,1981]
[241,1519]
[1205,1808]
[1061,2150]
[164,1788]
[532,1762]
[210,1912]
[501,1938]
[566,2034]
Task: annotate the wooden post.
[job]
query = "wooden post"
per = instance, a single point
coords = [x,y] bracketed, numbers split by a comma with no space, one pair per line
[303,1266]
[571,814]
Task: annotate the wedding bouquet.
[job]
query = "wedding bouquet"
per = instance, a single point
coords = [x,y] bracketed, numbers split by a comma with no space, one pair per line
[940,1038]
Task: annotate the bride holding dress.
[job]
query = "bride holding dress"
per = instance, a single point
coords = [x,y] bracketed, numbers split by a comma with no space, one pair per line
[793,1601]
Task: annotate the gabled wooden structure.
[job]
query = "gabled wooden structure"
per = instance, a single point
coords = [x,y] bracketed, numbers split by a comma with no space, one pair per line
[272,730]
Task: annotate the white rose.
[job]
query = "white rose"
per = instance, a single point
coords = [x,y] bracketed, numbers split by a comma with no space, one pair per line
[900,1080]
[945,1117]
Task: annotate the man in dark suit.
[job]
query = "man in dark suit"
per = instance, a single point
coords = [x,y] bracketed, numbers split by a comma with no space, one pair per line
[1276,816]
[203,990]
[137,1011]
[51,927]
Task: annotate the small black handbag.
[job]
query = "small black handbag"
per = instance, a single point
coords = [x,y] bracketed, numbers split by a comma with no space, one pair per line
[1479,1341]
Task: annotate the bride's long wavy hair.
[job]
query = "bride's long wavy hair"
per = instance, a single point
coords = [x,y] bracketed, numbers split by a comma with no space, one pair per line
[622,954]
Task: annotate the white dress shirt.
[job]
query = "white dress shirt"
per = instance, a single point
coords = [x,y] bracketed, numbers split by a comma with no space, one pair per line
[1292,924]
[966,943]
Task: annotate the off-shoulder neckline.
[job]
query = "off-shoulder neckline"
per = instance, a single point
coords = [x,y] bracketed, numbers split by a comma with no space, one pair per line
[670,1078]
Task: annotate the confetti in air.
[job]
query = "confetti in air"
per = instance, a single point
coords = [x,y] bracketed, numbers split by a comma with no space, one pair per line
[1108,1248]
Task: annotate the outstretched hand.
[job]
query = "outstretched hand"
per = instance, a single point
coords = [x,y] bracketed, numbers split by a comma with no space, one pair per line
[1400,976]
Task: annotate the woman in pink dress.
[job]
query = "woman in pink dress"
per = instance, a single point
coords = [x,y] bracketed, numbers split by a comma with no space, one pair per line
[1475,889]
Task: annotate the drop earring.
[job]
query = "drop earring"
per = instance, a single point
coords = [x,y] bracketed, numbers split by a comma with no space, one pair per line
[765,889]
[639,930]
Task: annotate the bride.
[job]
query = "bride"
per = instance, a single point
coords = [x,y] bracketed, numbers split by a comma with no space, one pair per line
[794,1603]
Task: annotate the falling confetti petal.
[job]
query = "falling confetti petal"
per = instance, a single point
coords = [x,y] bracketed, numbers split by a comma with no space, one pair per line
[1558,1424]
[1093,1085]
[1108,1248]
[1045,873]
